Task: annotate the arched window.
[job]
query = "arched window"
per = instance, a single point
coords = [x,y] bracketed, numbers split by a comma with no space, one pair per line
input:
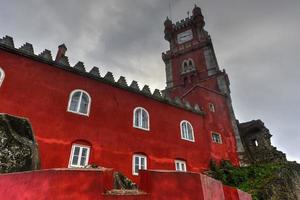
[2,75]
[139,162]
[211,107]
[141,118]
[188,66]
[187,132]
[79,102]
[79,156]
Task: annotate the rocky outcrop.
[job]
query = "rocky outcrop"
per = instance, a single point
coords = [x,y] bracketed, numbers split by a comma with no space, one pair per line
[256,139]
[284,184]
[18,149]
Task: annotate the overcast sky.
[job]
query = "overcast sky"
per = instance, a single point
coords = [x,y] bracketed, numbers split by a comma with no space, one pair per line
[256,41]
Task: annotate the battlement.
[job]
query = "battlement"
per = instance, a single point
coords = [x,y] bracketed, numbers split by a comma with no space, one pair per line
[27,50]
[183,23]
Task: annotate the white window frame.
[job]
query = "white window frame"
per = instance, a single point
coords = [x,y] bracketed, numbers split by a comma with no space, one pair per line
[211,107]
[79,156]
[182,135]
[139,156]
[213,139]
[80,99]
[140,125]
[2,76]
[181,164]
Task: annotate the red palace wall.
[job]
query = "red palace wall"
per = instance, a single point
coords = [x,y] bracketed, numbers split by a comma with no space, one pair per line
[63,184]
[40,92]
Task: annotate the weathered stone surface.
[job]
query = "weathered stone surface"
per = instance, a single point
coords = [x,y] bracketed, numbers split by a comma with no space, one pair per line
[18,149]
[256,139]
[285,184]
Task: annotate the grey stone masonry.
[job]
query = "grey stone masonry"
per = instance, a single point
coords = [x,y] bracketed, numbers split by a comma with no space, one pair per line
[109,76]
[80,66]
[134,85]
[178,101]
[27,48]
[7,41]
[122,81]
[46,54]
[95,72]
[64,61]
[157,93]
[146,90]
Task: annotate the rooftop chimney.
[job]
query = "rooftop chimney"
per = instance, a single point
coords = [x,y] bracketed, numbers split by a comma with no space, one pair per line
[61,52]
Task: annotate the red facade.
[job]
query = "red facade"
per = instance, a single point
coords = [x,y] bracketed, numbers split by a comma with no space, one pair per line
[38,88]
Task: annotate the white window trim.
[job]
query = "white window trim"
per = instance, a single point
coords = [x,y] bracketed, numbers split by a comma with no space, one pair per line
[133,163]
[180,162]
[72,152]
[138,127]
[2,76]
[183,121]
[221,141]
[70,99]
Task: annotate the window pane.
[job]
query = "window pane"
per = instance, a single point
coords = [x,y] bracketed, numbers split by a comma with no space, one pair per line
[84,104]
[177,166]
[145,119]
[76,151]
[84,152]
[137,116]
[184,130]
[190,132]
[182,167]
[75,160]
[75,101]
[82,161]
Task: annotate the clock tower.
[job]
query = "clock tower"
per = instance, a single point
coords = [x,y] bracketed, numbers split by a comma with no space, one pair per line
[193,75]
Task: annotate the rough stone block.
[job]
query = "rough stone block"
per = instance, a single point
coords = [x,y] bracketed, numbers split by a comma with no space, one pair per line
[80,66]
[95,71]
[109,76]
[46,54]
[134,85]
[27,48]
[7,41]
[122,81]
[18,149]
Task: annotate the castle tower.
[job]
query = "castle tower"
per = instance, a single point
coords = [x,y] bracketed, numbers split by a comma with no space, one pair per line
[193,74]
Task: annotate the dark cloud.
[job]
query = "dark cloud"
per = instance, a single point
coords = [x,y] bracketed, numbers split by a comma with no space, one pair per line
[255,41]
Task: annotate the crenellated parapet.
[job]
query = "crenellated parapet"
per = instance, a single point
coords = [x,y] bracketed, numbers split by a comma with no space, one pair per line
[62,62]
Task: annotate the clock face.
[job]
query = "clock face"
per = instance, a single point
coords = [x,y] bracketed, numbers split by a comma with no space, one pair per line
[185,36]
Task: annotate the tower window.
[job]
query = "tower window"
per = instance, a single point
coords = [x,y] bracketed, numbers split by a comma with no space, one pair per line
[211,107]
[139,162]
[79,102]
[141,118]
[216,138]
[2,75]
[180,165]
[79,155]
[188,66]
[187,132]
